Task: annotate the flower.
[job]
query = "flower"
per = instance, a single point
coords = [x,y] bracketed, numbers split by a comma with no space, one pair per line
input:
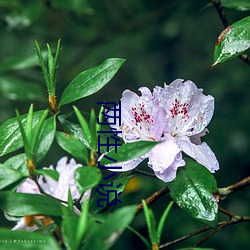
[58,189]
[177,116]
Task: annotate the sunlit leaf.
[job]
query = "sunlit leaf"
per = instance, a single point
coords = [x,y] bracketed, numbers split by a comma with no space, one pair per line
[90,81]
[193,191]
[10,136]
[233,41]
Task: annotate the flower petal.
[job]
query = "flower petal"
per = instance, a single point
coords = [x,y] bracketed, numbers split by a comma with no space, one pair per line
[165,158]
[189,110]
[29,187]
[201,153]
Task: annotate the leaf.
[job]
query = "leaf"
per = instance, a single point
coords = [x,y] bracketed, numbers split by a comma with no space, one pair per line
[53,174]
[8,176]
[73,146]
[19,90]
[123,180]
[105,235]
[18,162]
[46,137]
[10,136]
[87,177]
[129,151]
[233,41]
[16,240]
[162,221]
[20,204]
[19,62]
[241,5]
[193,191]
[90,81]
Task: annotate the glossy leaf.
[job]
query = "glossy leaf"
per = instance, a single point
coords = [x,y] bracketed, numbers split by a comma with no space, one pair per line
[10,136]
[73,146]
[105,235]
[53,174]
[72,126]
[46,137]
[16,240]
[129,151]
[193,191]
[233,41]
[87,177]
[241,5]
[90,81]
[123,180]
[9,175]
[18,162]
[19,90]
[20,204]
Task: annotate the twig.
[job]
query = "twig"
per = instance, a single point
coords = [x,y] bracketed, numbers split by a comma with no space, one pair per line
[223,192]
[226,23]
[152,198]
[224,211]
[235,220]
[145,173]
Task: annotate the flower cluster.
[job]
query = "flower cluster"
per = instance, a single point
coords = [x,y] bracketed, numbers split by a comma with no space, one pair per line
[177,116]
[58,189]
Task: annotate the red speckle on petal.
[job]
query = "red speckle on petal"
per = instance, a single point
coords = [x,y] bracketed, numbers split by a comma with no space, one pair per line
[179,109]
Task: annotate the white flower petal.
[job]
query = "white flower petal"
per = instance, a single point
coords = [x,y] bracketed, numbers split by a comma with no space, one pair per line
[201,153]
[29,187]
[21,225]
[165,158]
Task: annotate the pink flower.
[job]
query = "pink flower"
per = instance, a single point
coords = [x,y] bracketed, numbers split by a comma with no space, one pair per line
[177,115]
[58,189]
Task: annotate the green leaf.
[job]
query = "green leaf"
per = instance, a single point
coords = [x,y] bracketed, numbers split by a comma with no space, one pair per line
[193,191]
[241,5]
[19,90]
[10,136]
[18,162]
[105,235]
[195,248]
[53,174]
[123,180]
[151,223]
[46,137]
[20,204]
[84,125]
[19,63]
[73,146]
[90,81]
[233,41]
[87,177]
[9,175]
[16,240]
[93,133]
[129,151]
[72,126]
[162,222]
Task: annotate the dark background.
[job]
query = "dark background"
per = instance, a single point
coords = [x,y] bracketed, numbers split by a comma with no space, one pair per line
[161,41]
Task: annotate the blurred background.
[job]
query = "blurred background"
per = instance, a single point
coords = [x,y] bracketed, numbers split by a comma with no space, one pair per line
[161,41]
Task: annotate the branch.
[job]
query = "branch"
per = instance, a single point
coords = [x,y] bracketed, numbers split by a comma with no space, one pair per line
[152,198]
[144,173]
[223,192]
[226,23]
[235,220]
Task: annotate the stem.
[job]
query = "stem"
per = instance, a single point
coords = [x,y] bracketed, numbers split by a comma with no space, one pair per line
[226,23]
[224,192]
[152,198]
[144,173]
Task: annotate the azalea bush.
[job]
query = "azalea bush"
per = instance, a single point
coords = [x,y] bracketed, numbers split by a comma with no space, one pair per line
[85,200]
